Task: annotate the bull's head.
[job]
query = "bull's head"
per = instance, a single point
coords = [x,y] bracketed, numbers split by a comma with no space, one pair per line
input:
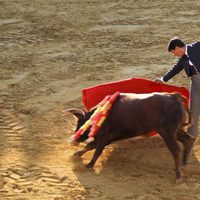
[79,114]
[82,117]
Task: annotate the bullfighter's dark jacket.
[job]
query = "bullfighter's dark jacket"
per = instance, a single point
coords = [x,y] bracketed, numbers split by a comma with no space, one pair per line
[192,56]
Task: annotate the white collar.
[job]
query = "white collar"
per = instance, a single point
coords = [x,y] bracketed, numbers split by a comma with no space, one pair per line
[186,48]
[186,53]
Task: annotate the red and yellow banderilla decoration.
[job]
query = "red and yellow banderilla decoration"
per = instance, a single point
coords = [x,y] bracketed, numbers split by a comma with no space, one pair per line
[97,118]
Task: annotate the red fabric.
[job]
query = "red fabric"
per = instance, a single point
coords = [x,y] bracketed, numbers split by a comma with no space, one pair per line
[93,95]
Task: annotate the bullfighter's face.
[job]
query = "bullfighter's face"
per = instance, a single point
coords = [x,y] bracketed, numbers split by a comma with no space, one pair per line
[178,51]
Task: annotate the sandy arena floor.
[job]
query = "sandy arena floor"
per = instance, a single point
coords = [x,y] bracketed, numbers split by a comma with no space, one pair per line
[50,49]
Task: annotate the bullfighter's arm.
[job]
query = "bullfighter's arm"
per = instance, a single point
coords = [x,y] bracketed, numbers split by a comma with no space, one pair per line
[175,69]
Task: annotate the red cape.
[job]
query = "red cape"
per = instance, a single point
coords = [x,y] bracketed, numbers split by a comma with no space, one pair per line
[93,95]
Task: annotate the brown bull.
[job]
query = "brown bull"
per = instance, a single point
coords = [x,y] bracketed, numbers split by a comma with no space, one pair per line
[137,114]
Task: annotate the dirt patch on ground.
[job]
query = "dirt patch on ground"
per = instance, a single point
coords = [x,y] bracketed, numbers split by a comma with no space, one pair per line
[49,51]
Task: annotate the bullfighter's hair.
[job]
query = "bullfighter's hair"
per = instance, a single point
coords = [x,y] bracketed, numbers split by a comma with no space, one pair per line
[175,42]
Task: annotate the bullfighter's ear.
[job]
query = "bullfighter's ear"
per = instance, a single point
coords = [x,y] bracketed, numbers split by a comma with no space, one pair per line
[77,112]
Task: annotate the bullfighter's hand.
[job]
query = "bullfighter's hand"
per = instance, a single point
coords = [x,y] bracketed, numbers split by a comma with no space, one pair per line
[157,80]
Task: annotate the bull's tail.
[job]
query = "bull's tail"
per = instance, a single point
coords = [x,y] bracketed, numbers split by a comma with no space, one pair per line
[187,123]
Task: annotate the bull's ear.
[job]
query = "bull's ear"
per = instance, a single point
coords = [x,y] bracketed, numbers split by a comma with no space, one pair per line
[77,112]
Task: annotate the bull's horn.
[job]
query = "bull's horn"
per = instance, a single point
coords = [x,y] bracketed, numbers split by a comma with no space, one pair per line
[76,112]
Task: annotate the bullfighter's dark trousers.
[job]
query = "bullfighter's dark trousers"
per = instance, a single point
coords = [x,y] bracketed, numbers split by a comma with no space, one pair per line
[195,103]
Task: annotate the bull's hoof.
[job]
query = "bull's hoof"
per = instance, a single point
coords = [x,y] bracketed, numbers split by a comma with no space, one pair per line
[90,166]
[78,154]
[179,181]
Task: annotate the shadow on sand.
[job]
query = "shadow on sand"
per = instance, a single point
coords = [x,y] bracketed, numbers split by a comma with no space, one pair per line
[135,169]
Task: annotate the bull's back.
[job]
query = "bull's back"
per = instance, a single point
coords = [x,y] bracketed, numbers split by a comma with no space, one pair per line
[140,113]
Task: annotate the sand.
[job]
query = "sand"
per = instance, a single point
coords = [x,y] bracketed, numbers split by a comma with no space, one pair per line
[52,49]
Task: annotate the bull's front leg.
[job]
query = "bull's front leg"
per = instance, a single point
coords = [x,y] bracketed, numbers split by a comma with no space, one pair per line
[96,155]
[102,139]
[88,147]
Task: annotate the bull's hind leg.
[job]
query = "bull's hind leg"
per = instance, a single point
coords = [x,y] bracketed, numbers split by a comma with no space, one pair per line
[187,141]
[88,147]
[175,149]
[188,150]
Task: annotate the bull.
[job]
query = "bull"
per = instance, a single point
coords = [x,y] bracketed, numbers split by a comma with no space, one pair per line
[137,114]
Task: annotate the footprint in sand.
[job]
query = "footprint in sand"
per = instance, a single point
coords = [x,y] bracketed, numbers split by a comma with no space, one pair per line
[19,179]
